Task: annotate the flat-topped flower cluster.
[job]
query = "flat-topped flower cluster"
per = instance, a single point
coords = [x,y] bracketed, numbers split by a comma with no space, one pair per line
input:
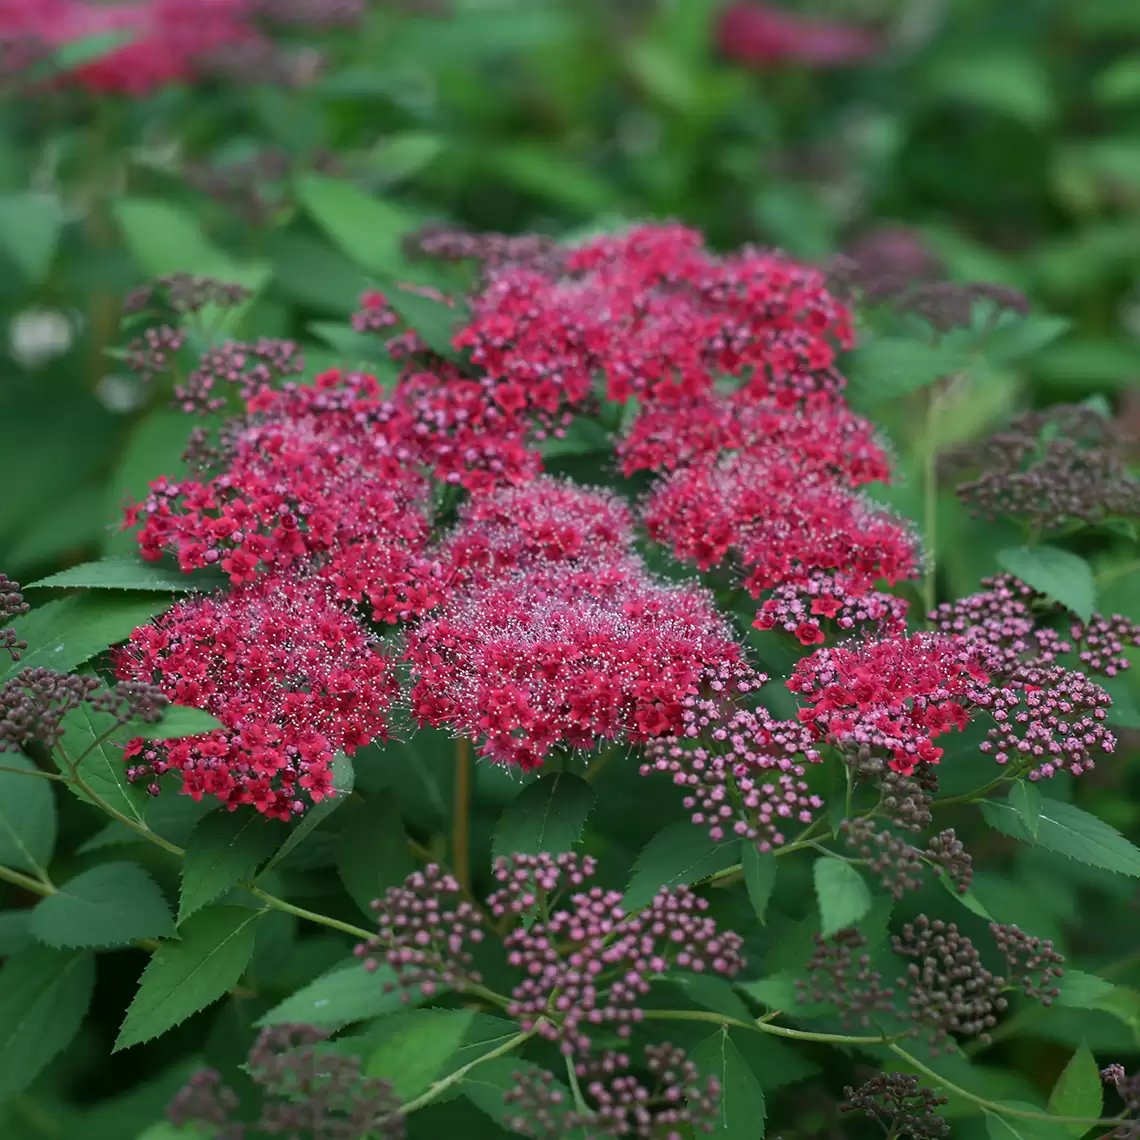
[401,547]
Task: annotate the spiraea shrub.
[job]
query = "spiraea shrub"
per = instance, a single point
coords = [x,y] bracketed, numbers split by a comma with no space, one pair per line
[554,722]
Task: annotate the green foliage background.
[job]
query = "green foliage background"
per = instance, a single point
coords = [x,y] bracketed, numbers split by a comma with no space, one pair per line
[1006,135]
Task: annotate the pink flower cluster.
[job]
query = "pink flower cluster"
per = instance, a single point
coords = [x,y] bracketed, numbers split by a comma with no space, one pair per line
[780,496]
[894,696]
[292,677]
[318,475]
[532,623]
[655,315]
[166,40]
[559,636]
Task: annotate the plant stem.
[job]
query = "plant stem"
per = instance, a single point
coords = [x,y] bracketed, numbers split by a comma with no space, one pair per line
[930,502]
[761,1026]
[993,1106]
[461,816]
[35,772]
[36,886]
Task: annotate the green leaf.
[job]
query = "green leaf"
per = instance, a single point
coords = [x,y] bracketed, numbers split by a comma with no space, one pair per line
[343,781]
[1120,81]
[843,896]
[1065,577]
[344,994]
[546,816]
[164,239]
[177,721]
[741,1110]
[90,49]
[125,573]
[1069,831]
[1013,84]
[30,225]
[224,848]
[1025,799]
[27,816]
[185,977]
[1080,990]
[68,632]
[968,899]
[372,851]
[417,1047]
[434,321]
[44,995]
[759,876]
[369,230]
[102,767]
[887,368]
[1016,337]
[677,856]
[1078,1091]
[110,905]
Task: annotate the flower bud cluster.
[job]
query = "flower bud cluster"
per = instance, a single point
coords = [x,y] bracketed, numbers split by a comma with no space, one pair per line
[309,1093]
[1048,469]
[899,1105]
[617,1102]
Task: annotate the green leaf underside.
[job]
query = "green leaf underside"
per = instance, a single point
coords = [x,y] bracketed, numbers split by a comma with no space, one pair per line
[679,855]
[546,816]
[44,995]
[177,721]
[1069,831]
[185,977]
[224,848]
[110,905]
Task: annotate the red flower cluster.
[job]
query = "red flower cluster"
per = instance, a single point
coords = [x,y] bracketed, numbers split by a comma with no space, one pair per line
[290,674]
[533,624]
[555,639]
[894,697]
[763,36]
[792,525]
[655,314]
[318,473]
[167,39]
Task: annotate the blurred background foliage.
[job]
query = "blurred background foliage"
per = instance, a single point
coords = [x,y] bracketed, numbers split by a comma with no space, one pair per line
[998,142]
